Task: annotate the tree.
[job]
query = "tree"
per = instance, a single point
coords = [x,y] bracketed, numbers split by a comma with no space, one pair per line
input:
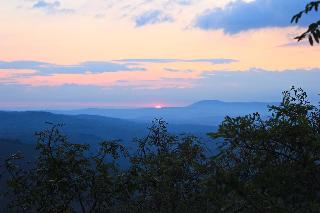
[273,164]
[165,175]
[168,172]
[313,31]
[64,178]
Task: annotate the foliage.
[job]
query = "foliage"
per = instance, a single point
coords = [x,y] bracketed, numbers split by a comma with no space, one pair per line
[313,31]
[273,164]
[63,178]
[168,171]
[264,165]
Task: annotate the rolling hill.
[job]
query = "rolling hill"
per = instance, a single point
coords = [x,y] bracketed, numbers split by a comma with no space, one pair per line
[95,125]
[89,129]
[207,112]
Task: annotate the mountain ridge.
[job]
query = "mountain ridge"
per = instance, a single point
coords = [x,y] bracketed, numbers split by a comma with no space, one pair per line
[86,128]
[205,112]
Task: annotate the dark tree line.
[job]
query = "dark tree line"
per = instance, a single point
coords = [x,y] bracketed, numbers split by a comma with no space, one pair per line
[263,165]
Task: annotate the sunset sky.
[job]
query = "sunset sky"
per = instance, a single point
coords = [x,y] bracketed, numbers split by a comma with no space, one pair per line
[146,53]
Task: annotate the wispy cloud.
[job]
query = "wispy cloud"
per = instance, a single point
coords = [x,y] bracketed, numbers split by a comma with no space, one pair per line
[51,7]
[152,17]
[44,68]
[178,70]
[175,60]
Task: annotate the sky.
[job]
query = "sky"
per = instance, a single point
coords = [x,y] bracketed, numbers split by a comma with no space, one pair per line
[147,53]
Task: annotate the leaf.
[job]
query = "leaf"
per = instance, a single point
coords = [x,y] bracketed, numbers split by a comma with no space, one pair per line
[315,36]
[312,27]
[317,33]
[293,18]
[310,40]
[298,17]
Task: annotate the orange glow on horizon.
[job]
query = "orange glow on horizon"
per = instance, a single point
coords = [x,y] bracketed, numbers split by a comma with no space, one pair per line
[158,106]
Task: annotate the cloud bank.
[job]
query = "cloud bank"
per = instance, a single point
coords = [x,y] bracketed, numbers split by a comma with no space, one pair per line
[240,16]
[250,85]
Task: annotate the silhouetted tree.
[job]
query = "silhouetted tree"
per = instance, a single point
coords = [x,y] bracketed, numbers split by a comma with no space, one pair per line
[64,178]
[168,172]
[273,165]
[313,31]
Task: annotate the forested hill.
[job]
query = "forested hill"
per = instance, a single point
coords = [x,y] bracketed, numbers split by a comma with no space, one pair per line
[82,128]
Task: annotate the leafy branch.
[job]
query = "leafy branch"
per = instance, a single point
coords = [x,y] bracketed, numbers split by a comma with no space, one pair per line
[313,31]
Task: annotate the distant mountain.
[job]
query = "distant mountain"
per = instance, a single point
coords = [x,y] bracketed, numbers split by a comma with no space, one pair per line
[231,108]
[94,125]
[217,103]
[82,128]
[207,112]
[207,103]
